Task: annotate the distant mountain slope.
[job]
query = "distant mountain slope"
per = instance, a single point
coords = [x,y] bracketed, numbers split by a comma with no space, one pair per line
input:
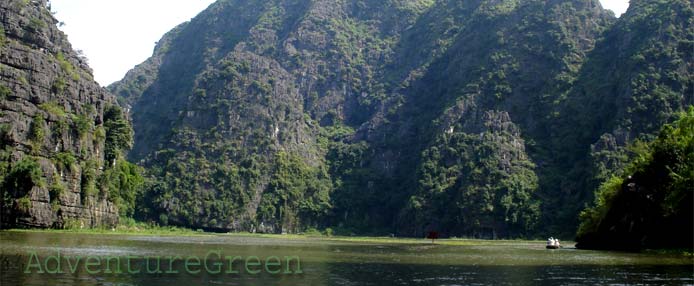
[638,78]
[471,118]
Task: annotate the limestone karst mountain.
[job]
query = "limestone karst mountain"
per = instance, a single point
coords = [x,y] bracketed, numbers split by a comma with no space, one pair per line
[61,134]
[483,118]
[475,118]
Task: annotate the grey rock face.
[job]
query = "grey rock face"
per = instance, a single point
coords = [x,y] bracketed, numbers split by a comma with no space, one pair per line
[51,113]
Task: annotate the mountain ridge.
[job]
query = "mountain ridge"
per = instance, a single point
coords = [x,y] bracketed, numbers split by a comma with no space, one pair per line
[388,117]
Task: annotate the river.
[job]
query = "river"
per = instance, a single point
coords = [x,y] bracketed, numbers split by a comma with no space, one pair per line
[52,258]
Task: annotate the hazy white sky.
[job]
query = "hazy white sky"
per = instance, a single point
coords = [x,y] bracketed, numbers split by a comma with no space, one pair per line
[617,6]
[116,35]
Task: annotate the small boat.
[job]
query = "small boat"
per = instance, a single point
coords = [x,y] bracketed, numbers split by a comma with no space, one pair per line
[553,243]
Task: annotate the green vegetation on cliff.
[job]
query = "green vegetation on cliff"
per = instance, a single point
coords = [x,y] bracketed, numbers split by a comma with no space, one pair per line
[477,185]
[474,118]
[62,137]
[297,193]
[488,119]
[650,204]
[637,79]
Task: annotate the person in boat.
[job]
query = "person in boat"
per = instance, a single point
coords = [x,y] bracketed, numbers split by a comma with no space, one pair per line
[553,243]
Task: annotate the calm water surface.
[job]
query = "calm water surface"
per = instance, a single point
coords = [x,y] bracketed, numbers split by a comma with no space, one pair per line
[328,262]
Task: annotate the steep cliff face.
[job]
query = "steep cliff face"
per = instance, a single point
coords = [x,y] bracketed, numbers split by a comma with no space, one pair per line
[236,97]
[510,57]
[645,200]
[395,116]
[637,79]
[52,138]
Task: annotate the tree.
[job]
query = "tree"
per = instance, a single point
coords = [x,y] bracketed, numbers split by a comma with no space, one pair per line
[119,133]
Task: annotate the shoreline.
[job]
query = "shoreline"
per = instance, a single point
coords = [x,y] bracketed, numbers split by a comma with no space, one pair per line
[173,232]
[181,232]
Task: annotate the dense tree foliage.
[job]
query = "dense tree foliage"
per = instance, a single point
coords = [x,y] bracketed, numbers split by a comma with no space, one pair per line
[187,190]
[297,193]
[23,176]
[121,181]
[119,134]
[651,203]
[476,185]
[16,185]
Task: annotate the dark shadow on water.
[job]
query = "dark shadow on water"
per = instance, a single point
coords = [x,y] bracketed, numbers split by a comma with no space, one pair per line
[12,273]
[397,274]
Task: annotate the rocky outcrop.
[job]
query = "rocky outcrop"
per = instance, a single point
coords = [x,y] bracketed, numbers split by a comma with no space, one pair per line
[52,138]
